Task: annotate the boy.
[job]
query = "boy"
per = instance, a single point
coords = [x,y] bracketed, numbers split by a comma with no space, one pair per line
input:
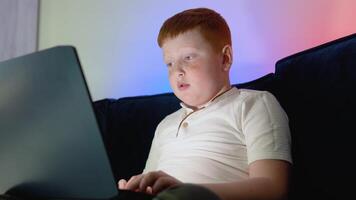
[235,142]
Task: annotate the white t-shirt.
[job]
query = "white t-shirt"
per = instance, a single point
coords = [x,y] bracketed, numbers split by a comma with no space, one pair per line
[217,142]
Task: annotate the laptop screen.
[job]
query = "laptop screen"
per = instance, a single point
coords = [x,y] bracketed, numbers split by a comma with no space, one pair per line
[50,142]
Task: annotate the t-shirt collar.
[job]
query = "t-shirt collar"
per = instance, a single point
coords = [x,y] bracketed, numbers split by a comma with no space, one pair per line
[216,98]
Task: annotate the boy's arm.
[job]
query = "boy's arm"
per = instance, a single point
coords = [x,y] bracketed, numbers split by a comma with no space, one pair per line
[268,180]
[152,159]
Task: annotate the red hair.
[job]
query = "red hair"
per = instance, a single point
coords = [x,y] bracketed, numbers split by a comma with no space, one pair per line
[211,25]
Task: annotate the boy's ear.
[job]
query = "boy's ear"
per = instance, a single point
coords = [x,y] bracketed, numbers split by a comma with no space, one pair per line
[227,57]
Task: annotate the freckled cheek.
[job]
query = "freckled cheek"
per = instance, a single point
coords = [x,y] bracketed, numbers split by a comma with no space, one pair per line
[172,81]
[171,75]
[198,73]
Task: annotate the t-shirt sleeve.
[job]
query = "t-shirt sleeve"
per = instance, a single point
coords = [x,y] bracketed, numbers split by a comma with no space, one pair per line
[265,128]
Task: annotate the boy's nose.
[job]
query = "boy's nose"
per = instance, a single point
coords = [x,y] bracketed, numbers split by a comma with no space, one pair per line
[180,74]
[179,70]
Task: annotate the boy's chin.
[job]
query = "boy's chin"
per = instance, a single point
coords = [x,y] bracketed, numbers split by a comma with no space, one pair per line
[186,101]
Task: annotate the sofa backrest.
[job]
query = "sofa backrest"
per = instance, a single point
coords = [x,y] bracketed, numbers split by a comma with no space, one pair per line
[317,88]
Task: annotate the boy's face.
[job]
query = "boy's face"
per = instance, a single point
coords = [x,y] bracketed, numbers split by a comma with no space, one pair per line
[197,73]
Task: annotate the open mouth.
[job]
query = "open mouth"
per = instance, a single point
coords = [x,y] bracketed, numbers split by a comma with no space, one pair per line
[183,86]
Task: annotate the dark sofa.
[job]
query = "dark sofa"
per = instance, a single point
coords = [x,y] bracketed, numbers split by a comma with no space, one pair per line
[317,89]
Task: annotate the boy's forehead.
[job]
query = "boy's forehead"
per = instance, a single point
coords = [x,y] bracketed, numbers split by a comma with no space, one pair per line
[168,53]
[189,40]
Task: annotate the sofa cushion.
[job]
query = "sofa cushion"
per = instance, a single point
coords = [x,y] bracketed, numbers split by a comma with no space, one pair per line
[317,89]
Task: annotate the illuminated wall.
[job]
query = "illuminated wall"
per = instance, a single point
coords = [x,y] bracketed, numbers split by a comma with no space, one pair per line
[116,40]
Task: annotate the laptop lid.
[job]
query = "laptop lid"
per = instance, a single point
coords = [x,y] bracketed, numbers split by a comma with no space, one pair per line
[50,142]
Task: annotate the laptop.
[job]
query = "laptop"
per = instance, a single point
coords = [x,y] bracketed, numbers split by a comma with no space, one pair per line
[50,141]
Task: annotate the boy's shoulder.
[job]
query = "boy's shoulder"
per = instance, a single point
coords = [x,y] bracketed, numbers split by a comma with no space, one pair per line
[249,97]
[248,94]
[172,118]
[175,114]
[245,91]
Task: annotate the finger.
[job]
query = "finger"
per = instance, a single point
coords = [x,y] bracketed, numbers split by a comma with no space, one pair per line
[149,190]
[134,182]
[163,183]
[122,184]
[149,179]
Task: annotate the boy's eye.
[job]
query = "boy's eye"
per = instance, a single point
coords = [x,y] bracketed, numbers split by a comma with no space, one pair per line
[188,58]
[169,64]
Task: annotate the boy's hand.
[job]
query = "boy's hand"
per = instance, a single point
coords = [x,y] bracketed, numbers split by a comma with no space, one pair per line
[152,182]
